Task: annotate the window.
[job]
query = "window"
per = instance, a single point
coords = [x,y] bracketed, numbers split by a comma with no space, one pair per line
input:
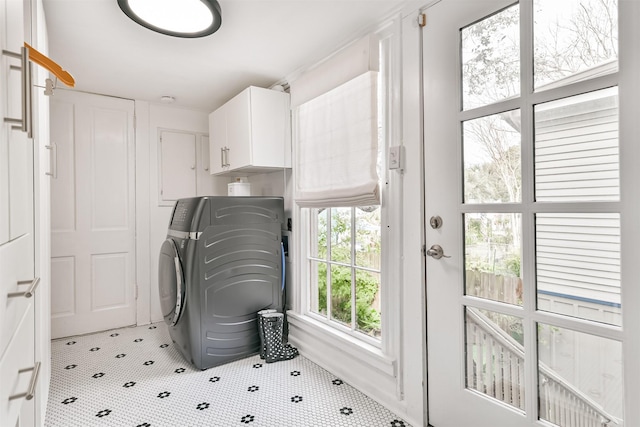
[344,254]
[344,261]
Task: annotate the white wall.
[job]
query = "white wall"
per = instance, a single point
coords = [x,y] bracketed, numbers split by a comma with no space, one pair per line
[278,184]
[152,216]
[394,378]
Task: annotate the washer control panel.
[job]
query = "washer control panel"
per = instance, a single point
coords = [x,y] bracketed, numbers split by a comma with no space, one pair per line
[183,214]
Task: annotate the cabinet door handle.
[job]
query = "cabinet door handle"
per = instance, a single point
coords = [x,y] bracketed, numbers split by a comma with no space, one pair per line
[226,157]
[25,122]
[29,293]
[32,384]
[53,160]
[221,157]
[28,94]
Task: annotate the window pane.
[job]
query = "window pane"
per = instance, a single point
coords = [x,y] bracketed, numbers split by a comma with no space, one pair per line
[580,377]
[318,287]
[341,294]
[578,265]
[318,232]
[368,302]
[492,256]
[495,356]
[576,148]
[341,235]
[491,59]
[574,40]
[491,151]
[368,241]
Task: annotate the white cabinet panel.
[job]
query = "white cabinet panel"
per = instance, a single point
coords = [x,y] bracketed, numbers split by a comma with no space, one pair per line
[20,185]
[217,141]
[15,19]
[16,160]
[14,369]
[4,186]
[19,146]
[207,185]
[251,133]
[4,133]
[177,165]
[238,117]
[270,128]
[19,336]
[15,267]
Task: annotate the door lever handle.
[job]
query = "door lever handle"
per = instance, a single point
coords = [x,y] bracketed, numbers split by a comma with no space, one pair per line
[436,252]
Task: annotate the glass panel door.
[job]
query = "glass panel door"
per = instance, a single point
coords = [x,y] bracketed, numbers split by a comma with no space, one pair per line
[527,271]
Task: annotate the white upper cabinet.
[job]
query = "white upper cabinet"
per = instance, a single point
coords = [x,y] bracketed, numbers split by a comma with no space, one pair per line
[251,133]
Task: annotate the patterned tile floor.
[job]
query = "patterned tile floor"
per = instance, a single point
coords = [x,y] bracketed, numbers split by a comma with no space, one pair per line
[135,377]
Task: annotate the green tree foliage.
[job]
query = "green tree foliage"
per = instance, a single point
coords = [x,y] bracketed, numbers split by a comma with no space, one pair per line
[368,318]
[366,284]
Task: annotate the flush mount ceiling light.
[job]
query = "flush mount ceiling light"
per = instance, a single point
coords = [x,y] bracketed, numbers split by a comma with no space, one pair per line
[178,18]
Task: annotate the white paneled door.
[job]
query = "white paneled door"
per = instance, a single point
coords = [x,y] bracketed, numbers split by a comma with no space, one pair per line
[532,212]
[93,213]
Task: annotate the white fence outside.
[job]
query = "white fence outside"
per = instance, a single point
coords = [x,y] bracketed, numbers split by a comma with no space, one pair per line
[495,362]
[496,368]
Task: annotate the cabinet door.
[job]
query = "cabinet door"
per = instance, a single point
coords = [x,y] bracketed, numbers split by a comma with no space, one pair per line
[239,130]
[218,140]
[20,170]
[206,185]
[270,125]
[16,369]
[15,160]
[4,132]
[16,149]
[177,165]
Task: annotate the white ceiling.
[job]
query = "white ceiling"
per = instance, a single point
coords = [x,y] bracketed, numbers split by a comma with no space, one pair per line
[260,43]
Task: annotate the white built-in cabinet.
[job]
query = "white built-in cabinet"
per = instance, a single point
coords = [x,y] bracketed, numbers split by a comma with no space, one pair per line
[251,133]
[184,166]
[19,291]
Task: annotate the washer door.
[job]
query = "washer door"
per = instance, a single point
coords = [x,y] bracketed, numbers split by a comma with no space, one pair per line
[171,282]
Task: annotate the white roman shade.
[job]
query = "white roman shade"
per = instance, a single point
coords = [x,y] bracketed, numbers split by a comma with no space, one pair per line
[337,130]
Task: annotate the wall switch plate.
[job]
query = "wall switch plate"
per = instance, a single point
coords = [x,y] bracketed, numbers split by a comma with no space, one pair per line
[395,157]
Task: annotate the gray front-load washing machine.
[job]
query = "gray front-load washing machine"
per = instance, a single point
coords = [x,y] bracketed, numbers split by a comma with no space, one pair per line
[221,263]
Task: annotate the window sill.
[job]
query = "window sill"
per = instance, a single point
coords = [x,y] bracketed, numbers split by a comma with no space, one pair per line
[342,342]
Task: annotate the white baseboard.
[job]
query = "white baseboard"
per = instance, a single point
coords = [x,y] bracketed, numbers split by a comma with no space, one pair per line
[372,374]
